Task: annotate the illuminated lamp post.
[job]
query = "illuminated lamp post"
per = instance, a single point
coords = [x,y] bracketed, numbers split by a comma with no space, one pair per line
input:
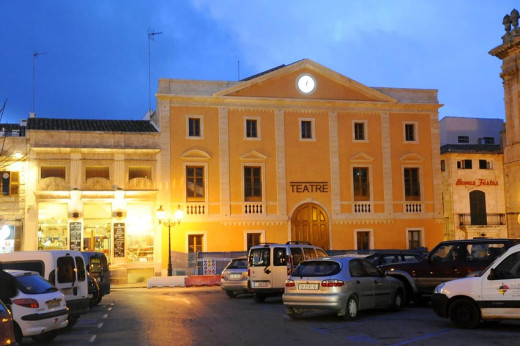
[167,221]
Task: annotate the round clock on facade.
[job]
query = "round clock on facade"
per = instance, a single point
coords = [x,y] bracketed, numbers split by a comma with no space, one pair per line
[306,83]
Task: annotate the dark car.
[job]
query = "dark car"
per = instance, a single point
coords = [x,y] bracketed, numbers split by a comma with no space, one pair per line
[449,260]
[381,257]
[97,266]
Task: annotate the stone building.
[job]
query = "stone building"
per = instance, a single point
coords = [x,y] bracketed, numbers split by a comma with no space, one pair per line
[299,153]
[472,178]
[509,53]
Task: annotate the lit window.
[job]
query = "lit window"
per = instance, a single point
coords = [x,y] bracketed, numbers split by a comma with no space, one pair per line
[9,184]
[194,183]
[97,172]
[52,172]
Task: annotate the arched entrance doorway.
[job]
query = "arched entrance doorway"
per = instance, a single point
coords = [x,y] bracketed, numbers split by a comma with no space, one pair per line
[310,223]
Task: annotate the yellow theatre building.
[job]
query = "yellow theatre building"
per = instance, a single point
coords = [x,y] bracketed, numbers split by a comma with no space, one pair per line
[299,153]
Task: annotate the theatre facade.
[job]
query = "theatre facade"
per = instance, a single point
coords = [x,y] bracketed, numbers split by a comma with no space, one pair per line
[299,153]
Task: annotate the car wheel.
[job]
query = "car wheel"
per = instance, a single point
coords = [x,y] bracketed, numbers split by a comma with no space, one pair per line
[294,313]
[231,294]
[72,319]
[464,314]
[45,337]
[352,309]
[259,298]
[18,335]
[398,301]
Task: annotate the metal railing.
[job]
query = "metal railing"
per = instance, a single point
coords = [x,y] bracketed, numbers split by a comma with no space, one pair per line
[492,219]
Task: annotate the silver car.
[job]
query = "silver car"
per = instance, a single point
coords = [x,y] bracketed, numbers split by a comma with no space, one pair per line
[344,285]
[234,277]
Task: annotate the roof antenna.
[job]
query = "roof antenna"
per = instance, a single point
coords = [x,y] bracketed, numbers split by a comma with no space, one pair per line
[35,55]
[151,36]
[238,67]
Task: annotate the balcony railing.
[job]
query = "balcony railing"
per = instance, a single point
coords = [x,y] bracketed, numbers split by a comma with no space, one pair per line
[482,220]
[195,208]
[413,208]
[254,208]
[362,207]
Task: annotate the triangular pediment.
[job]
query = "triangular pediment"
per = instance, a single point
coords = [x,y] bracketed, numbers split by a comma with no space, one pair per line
[411,158]
[253,155]
[281,82]
[361,157]
[195,155]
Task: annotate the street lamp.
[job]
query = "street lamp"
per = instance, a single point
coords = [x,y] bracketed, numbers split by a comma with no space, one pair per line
[167,221]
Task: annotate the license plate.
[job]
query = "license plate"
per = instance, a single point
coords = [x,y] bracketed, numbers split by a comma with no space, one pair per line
[53,303]
[261,283]
[308,286]
[235,276]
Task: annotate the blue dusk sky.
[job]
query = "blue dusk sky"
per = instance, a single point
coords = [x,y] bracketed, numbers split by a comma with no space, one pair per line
[92,56]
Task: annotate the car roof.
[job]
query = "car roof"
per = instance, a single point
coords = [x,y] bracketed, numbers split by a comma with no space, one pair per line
[20,272]
[239,258]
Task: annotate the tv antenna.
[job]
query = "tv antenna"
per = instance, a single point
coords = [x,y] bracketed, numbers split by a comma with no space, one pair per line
[35,55]
[151,37]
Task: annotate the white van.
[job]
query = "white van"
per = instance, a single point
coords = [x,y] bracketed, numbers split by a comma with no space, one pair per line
[65,269]
[269,265]
[491,295]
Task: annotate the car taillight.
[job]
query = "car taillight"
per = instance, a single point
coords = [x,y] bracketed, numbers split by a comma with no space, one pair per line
[332,283]
[26,302]
[289,283]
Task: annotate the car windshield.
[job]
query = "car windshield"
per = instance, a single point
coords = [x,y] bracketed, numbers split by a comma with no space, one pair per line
[317,268]
[259,257]
[237,264]
[34,284]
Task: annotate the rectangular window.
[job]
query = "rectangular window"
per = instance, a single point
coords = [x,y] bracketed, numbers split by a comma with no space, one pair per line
[487,140]
[409,132]
[139,172]
[195,243]
[414,239]
[253,239]
[194,127]
[194,183]
[52,172]
[252,184]
[363,240]
[484,164]
[251,128]
[10,183]
[412,186]
[306,129]
[463,139]
[361,184]
[359,131]
[443,165]
[97,172]
[464,164]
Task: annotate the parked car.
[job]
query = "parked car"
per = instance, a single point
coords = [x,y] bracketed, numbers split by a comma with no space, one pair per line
[65,269]
[234,277]
[6,325]
[343,285]
[382,257]
[492,295]
[449,260]
[269,265]
[39,309]
[99,269]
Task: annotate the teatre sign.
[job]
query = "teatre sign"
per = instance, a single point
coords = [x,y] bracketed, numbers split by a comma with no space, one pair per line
[309,186]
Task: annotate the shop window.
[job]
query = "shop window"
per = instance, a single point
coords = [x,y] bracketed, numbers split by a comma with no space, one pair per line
[194,183]
[252,184]
[195,243]
[52,226]
[361,184]
[97,227]
[139,172]
[139,237]
[97,172]
[9,183]
[52,172]
[412,186]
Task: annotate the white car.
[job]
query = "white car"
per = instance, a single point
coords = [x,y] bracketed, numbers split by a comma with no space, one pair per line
[491,295]
[39,309]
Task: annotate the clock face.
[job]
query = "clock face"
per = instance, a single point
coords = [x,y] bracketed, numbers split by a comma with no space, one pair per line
[306,83]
